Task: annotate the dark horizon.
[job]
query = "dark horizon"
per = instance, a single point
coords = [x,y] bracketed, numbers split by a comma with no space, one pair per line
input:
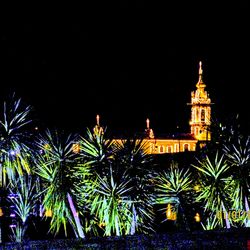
[136,67]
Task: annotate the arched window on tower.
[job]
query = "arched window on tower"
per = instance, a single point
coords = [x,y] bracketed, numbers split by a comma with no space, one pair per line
[161,149]
[203,115]
[197,115]
[193,115]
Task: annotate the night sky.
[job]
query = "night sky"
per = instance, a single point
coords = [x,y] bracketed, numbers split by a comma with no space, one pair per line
[127,65]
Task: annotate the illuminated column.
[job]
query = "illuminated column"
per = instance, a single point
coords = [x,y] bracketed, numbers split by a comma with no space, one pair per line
[148,130]
[98,129]
[97,120]
[147,123]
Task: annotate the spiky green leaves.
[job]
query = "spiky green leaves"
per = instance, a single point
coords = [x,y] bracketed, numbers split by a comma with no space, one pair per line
[14,141]
[173,184]
[216,185]
[111,204]
[215,182]
[24,195]
[55,165]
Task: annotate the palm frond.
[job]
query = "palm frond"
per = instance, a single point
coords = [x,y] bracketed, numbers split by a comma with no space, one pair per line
[216,184]
[111,205]
[172,184]
[55,165]
[24,196]
[15,147]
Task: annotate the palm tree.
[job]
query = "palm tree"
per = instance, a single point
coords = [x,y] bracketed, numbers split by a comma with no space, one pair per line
[24,196]
[222,133]
[96,150]
[215,186]
[125,158]
[111,204]
[174,186]
[238,156]
[56,166]
[130,156]
[15,147]
[14,140]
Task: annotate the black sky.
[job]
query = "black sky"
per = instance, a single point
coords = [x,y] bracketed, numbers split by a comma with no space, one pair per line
[127,64]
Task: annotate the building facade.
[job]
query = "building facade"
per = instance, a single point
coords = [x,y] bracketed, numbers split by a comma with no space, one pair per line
[200,121]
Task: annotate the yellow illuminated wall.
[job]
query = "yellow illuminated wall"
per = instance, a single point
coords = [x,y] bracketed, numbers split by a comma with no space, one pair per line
[162,146]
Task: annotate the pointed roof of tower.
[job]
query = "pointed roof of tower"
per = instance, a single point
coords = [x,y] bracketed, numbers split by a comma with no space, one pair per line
[200,83]
[98,128]
[147,123]
[149,131]
[97,120]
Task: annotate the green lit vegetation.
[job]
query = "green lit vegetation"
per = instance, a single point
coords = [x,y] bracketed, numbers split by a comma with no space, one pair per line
[106,188]
[174,186]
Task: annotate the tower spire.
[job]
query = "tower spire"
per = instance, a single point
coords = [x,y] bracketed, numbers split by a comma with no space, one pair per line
[147,123]
[97,120]
[98,129]
[200,68]
[148,130]
[200,82]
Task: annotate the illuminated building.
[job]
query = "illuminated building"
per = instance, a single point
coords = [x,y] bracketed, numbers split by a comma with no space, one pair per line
[199,125]
[200,111]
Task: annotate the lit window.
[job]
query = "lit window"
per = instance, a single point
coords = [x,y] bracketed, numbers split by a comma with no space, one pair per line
[197,115]
[202,115]
[186,147]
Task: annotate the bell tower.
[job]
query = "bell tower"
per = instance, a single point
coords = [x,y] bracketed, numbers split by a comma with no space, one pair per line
[200,110]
